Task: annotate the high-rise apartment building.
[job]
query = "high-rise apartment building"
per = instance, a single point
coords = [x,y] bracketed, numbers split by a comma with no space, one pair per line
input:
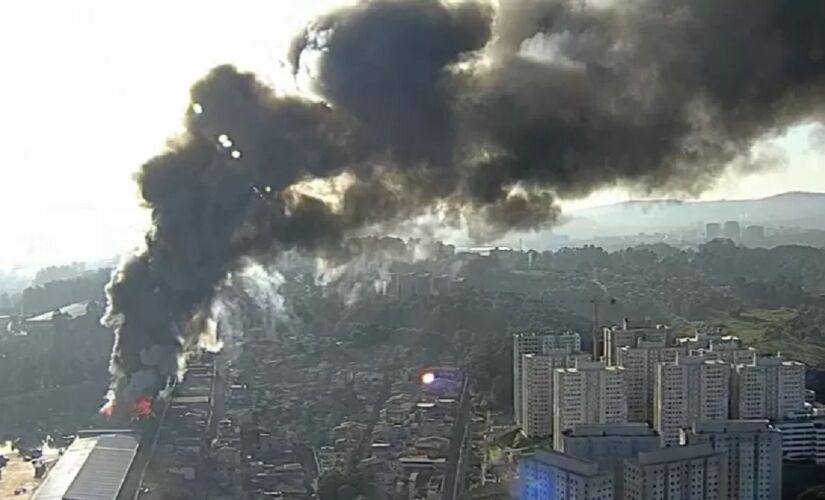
[556,476]
[590,393]
[629,335]
[537,389]
[537,343]
[609,445]
[769,387]
[640,364]
[694,472]
[691,389]
[537,395]
[753,455]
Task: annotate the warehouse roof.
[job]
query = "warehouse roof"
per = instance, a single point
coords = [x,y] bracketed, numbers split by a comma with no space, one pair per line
[92,468]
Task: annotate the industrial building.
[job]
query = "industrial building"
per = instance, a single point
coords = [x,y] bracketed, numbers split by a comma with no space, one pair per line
[94,467]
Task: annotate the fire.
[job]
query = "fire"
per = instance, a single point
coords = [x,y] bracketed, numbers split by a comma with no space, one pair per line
[428,378]
[143,408]
[108,409]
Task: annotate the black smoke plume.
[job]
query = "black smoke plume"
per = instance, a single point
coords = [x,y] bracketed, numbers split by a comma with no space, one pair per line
[481,114]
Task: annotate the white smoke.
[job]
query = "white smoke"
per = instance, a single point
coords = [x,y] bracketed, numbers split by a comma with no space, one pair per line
[599,283]
[249,299]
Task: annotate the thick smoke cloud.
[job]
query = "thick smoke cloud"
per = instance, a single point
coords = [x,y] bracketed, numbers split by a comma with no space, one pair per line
[480,115]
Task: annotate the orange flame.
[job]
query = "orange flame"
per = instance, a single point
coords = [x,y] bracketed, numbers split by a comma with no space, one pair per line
[143,408]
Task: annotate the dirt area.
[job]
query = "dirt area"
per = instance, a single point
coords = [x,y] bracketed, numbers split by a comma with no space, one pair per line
[17,474]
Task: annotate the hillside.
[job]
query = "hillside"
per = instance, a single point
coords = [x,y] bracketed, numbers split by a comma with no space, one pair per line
[767,331]
[796,209]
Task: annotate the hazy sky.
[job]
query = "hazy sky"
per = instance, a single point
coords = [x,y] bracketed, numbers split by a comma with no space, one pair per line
[92,88]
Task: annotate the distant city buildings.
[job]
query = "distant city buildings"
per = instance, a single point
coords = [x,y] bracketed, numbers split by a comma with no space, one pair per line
[732,230]
[713,230]
[752,236]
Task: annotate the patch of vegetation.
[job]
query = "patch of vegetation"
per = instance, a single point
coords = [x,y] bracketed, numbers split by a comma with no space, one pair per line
[793,332]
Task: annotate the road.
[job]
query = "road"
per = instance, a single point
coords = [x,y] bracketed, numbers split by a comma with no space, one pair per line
[366,439]
[150,432]
[457,456]
[217,399]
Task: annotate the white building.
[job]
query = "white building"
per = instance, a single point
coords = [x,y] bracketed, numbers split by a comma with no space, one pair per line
[537,343]
[803,438]
[753,454]
[691,389]
[590,393]
[731,350]
[555,476]
[694,472]
[537,395]
[700,339]
[628,336]
[537,389]
[728,348]
[819,442]
[640,364]
[609,445]
[769,387]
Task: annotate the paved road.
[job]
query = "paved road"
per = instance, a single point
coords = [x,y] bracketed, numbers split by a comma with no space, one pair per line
[150,432]
[366,439]
[456,462]
[217,399]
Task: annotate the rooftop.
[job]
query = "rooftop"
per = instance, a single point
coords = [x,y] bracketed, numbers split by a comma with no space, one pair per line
[72,310]
[567,463]
[630,429]
[675,454]
[731,426]
[92,468]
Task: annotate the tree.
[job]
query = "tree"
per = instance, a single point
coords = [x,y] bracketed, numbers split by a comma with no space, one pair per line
[815,493]
[335,485]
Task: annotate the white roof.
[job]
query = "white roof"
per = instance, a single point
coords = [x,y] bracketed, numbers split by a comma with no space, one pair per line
[92,468]
[72,310]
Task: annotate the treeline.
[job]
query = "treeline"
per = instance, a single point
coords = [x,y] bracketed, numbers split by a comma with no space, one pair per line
[720,261]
